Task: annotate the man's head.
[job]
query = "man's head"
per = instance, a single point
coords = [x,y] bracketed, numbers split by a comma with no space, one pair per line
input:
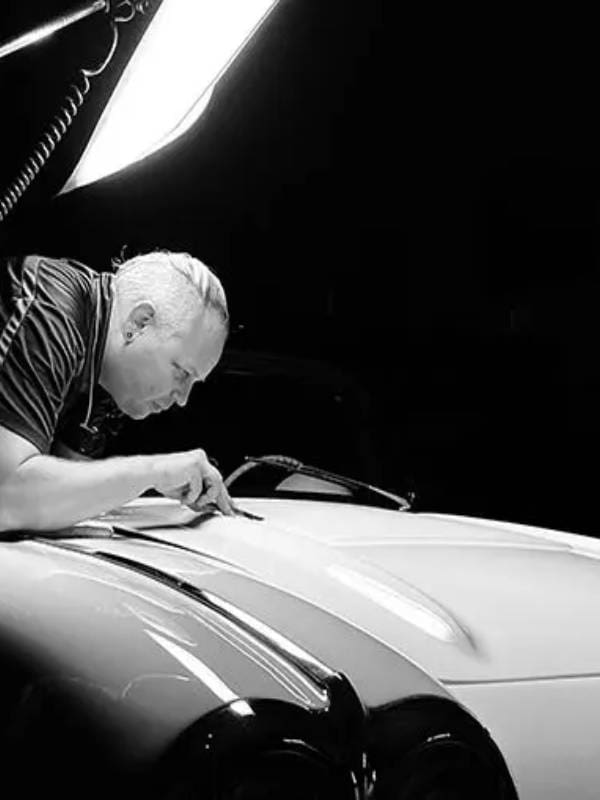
[167,329]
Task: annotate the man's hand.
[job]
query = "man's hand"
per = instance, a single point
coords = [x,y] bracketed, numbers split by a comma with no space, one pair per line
[46,493]
[191,478]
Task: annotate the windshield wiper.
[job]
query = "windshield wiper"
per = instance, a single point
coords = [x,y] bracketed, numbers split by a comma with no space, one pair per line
[292,465]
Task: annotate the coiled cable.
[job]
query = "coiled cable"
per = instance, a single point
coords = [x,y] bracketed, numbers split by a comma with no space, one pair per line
[46,145]
[69,108]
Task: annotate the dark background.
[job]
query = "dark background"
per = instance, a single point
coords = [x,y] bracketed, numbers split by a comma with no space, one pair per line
[403,207]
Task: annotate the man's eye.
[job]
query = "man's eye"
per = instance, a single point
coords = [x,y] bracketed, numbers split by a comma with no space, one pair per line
[182,374]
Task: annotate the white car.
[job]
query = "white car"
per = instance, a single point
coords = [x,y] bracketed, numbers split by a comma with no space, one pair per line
[502,618]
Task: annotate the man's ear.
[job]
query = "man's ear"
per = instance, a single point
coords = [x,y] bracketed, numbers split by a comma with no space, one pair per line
[140,317]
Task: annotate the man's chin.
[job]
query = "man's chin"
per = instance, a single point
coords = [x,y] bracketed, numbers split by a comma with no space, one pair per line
[135,411]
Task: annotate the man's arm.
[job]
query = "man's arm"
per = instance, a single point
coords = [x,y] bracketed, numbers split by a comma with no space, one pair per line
[39,492]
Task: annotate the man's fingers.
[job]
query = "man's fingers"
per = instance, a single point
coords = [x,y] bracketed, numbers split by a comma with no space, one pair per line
[210,490]
[193,490]
[224,502]
[205,486]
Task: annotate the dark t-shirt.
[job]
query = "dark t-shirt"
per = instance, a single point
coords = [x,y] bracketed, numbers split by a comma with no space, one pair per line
[54,316]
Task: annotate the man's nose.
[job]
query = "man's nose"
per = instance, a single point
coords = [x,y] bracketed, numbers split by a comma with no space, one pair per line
[182,393]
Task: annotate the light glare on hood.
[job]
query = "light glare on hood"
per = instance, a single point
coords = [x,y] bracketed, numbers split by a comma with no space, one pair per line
[406,608]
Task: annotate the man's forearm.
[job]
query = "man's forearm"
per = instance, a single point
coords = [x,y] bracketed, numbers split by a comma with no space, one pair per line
[47,493]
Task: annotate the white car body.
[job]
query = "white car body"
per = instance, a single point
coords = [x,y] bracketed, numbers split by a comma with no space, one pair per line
[502,616]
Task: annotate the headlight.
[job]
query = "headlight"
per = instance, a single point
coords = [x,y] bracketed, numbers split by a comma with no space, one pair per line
[293,774]
[431,749]
[443,768]
[279,752]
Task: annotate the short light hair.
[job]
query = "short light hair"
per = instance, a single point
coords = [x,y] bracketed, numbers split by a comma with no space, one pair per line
[166,279]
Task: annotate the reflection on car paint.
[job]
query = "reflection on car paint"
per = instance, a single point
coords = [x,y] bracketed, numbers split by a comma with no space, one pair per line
[201,671]
[435,623]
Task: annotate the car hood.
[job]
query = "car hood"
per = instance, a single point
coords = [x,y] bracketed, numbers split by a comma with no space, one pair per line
[145,657]
[146,638]
[468,600]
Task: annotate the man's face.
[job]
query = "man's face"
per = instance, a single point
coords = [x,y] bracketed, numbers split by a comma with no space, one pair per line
[155,369]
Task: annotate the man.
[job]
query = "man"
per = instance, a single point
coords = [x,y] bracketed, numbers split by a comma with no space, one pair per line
[78,349]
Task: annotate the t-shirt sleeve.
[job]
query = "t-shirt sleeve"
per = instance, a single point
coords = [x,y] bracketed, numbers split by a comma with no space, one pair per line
[40,353]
